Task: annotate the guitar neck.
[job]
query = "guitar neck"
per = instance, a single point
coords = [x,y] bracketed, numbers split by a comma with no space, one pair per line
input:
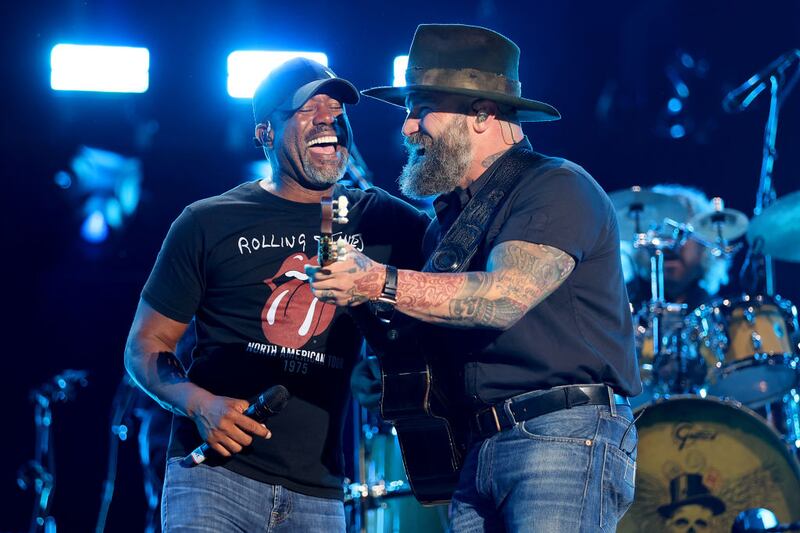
[325,249]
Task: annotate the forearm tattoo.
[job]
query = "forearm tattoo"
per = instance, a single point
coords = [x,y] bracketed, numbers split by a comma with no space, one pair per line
[519,276]
[364,285]
[473,311]
[424,291]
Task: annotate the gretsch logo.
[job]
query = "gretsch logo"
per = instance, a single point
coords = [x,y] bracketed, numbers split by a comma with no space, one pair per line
[687,433]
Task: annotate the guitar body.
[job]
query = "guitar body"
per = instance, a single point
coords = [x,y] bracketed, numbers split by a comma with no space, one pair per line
[418,389]
[416,399]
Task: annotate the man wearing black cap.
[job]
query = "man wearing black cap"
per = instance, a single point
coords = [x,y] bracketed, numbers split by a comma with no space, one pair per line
[235,263]
[529,301]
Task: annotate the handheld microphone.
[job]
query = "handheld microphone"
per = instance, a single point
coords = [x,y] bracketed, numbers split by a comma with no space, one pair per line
[269,403]
[741,97]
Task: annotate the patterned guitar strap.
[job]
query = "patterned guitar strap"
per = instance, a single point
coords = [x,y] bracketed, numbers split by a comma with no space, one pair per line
[458,246]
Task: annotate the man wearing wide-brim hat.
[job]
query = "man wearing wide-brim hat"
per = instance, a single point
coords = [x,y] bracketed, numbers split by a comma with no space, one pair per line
[535,315]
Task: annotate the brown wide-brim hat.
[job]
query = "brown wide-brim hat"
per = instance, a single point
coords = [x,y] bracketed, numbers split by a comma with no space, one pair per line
[469,61]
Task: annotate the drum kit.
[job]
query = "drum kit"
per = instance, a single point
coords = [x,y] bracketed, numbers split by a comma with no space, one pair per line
[719,415]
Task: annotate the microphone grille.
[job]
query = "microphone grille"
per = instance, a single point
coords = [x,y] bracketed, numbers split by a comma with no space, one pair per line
[275,397]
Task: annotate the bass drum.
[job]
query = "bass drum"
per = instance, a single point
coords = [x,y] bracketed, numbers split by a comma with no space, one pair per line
[702,461]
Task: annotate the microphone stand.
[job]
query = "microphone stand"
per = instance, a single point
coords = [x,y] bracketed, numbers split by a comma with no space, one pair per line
[761,264]
[766,191]
[39,473]
[120,409]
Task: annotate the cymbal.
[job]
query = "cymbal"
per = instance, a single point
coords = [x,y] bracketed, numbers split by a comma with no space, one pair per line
[650,207]
[778,228]
[728,224]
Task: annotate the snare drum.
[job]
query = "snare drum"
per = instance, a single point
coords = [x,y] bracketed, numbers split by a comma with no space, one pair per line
[748,344]
[701,461]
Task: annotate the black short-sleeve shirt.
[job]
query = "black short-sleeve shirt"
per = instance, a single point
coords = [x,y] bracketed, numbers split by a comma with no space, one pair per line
[583,332]
[235,262]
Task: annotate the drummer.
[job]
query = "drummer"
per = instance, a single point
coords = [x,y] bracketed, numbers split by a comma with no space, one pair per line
[692,274]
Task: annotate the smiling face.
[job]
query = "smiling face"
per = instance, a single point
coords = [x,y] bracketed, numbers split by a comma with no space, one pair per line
[310,144]
[439,147]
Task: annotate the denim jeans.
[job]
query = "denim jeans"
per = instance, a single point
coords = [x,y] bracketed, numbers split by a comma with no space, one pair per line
[568,471]
[216,500]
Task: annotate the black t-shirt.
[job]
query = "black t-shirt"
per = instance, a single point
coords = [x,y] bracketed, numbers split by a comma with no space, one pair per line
[235,262]
[583,332]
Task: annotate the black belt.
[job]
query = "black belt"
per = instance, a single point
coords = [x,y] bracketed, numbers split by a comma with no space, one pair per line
[504,415]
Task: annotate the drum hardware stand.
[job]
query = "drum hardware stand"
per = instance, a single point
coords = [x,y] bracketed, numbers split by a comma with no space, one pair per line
[655,246]
[372,489]
[39,473]
[356,493]
[720,247]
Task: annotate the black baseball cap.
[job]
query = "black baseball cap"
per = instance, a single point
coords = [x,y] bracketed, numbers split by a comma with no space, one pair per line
[289,86]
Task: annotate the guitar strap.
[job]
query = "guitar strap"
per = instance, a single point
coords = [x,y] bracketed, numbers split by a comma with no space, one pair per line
[459,245]
[455,251]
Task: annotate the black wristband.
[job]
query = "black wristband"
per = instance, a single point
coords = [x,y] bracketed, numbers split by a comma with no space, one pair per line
[389,292]
[384,304]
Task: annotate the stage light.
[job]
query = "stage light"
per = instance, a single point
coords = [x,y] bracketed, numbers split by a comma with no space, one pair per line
[677,131]
[674,105]
[258,170]
[94,68]
[95,228]
[105,187]
[400,66]
[63,179]
[246,68]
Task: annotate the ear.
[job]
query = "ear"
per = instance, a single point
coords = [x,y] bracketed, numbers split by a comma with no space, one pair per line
[264,135]
[485,113]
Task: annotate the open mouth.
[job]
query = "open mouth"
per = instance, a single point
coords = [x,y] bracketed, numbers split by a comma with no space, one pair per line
[325,145]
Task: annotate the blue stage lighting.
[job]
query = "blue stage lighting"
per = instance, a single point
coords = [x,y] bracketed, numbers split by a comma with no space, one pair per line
[95,228]
[63,179]
[400,66]
[674,105]
[246,68]
[108,69]
[677,131]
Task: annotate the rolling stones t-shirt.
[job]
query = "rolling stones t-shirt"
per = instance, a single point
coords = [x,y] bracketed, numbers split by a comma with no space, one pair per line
[236,263]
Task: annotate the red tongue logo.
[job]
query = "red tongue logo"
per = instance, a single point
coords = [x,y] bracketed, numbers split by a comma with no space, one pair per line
[292,314]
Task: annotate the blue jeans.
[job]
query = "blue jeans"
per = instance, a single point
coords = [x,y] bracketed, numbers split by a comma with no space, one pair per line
[568,471]
[216,500]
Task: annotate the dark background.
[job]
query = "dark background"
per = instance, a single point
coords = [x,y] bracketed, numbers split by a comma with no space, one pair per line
[68,304]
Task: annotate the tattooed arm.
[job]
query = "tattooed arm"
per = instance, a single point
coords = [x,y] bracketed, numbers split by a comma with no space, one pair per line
[151,362]
[518,276]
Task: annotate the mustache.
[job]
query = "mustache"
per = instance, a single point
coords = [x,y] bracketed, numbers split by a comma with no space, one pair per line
[417,140]
[320,129]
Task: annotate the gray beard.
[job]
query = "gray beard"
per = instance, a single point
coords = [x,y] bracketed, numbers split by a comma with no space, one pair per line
[442,167]
[326,175]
